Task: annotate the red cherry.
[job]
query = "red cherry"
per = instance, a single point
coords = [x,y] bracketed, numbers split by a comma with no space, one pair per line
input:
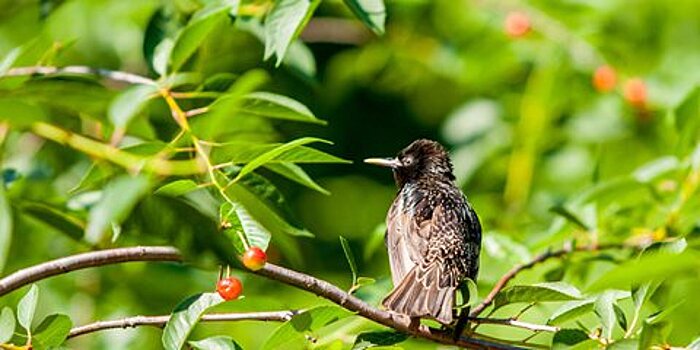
[517,24]
[254,258]
[229,288]
[635,92]
[604,78]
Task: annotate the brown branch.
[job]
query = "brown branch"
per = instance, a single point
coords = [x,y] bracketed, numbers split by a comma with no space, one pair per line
[85,260]
[503,281]
[160,321]
[82,70]
[281,274]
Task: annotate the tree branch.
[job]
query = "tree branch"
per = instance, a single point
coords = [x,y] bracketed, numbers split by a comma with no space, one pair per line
[82,70]
[281,274]
[503,281]
[160,321]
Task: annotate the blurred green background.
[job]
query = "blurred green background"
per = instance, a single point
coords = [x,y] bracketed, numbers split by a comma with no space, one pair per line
[527,130]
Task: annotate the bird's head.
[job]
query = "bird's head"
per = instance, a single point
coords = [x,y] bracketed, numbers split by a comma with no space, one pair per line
[422,158]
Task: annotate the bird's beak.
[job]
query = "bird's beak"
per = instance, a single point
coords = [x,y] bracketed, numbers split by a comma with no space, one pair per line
[385,162]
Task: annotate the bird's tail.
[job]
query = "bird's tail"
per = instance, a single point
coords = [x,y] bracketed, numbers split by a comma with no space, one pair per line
[420,295]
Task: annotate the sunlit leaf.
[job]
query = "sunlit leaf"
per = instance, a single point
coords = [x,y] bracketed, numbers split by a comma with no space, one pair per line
[368,340]
[9,59]
[281,26]
[274,153]
[185,316]
[245,152]
[371,12]
[571,310]
[274,106]
[117,200]
[129,103]
[191,37]
[603,307]
[215,343]
[554,291]
[177,188]
[51,332]
[62,221]
[7,325]
[27,306]
[292,334]
[295,173]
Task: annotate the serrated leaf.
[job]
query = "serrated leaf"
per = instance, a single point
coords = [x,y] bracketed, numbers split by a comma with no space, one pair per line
[380,338]
[185,317]
[255,234]
[551,291]
[274,106]
[571,310]
[27,306]
[603,307]
[350,258]
[371,12]
[654,266]
[292,334]
[118,199]
[51,332]
[190,38]
[274,153]
[5,226]
[215,343]
[281,26]
[567,338]
[7,325]
[177,188]
[129,103]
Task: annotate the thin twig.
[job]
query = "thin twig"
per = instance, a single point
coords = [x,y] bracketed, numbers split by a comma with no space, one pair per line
[160,321]
[126,77]
[503,281]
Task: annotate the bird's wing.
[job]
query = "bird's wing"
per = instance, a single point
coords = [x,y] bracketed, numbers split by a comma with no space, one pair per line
[406,240]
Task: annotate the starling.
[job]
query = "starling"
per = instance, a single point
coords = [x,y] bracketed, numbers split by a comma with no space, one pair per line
[433,235]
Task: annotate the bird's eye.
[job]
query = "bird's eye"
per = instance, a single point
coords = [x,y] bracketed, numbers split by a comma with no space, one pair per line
[408,161]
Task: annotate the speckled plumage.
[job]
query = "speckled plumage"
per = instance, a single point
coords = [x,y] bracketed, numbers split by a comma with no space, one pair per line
[433,235]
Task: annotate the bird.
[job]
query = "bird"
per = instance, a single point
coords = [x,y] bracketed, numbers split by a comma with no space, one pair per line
[433,235]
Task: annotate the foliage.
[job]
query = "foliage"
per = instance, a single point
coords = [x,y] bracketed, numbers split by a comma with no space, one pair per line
[217,125]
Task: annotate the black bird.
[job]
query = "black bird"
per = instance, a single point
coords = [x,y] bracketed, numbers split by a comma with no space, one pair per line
[433,235]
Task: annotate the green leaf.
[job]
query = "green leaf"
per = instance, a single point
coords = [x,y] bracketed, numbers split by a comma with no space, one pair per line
[365,281]
[241,221]
[274,106]
[177,188]
[9,60]
[571,310]
[118,199]
[19,114]
[371,12]
[654,266]
[281,26]
[292,334]
[274,153]
[567,338]
[7,325]
[570,216]
[185,317]
[192,36]
[653,334]
[473,292]
[656,168]
[245,152]
[380,338]
[694,345]
[5,226]
[603,307]
[621,317]
[26,308]
[639,296]
[129,103]
[350,258]
[295,173]
[553,291]
[262,213]
[51,332]
[215,343]
[62,221]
